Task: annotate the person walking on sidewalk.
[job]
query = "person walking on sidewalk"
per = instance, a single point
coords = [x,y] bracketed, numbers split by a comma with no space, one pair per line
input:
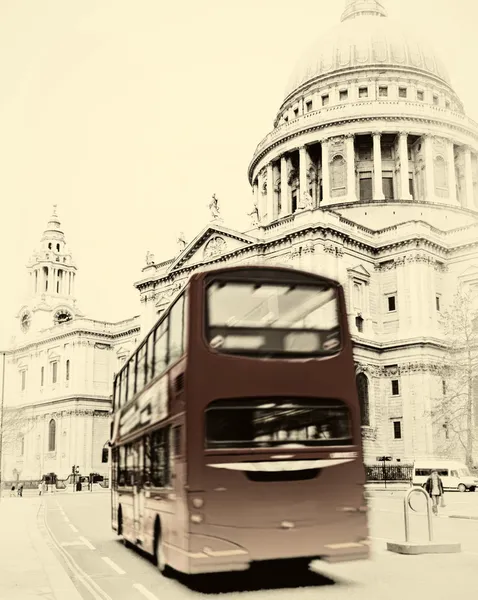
[434,488]
[12,491]
[20,490]
[40,488]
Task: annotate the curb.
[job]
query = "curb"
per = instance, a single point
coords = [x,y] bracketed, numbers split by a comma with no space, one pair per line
[463,517]
[61,585]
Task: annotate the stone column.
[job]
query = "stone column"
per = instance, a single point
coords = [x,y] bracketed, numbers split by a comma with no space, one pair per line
[270,192]
[377,167]
[325,171]
[351,184]
[429,178]
[451,171]
[468,179]
[284,187]
[404,176]
[302,173]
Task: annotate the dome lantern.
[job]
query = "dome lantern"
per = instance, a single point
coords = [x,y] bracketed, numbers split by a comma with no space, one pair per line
[358,8]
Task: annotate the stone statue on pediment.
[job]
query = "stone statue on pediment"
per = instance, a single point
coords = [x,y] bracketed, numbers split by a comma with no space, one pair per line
[214,207]
[181,241]
[306,201]
[254,215]
[149,258]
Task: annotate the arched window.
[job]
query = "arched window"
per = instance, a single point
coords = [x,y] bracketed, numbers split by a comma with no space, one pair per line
[52,436]
[67,370]
[362,389]
[338,176]
[441,176]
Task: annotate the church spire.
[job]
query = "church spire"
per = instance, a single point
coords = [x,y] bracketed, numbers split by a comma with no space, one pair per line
[359,8]
[52,275]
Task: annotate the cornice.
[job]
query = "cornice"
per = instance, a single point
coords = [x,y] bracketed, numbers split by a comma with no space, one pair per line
[63,399]
[326,234]
[76,333]
[354,119]
[357,72]
[411,344]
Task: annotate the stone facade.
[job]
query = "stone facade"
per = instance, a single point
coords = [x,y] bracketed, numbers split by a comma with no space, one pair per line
[369,177]
[59,373]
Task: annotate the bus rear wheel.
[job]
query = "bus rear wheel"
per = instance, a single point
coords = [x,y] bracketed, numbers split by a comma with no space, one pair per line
[160,557]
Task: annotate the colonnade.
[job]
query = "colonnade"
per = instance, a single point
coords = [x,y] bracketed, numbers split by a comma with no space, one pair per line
[279,190]
[52,280]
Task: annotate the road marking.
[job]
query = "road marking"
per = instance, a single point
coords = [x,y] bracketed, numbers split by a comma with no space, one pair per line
[73,528]
[66,519]
[72,544]
[93,588]
[87,543]
[146,593]
[113,565]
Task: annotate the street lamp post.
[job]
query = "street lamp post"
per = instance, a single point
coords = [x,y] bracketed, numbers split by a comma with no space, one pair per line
[2,398]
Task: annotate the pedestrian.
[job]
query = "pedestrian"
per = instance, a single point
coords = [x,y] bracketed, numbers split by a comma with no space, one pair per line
[20,490]
[434,488]
[40,488]
[12,491]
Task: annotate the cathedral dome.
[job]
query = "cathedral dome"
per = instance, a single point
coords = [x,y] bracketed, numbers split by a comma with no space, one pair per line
[364,40]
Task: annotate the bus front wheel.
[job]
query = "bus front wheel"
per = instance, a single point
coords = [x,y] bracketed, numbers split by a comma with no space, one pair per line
[159,554]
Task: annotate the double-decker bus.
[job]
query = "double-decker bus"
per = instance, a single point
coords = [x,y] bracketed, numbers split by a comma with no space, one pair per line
[236,427]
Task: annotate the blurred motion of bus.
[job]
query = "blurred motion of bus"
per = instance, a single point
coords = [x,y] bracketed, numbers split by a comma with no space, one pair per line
[236,427]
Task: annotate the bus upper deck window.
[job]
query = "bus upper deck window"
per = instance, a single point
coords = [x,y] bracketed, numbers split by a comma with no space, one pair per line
[273,318]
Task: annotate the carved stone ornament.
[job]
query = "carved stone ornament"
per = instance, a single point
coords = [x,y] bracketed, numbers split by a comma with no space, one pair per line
[309,248]
[336,142]
[369,433]
[214,247]
[329,248]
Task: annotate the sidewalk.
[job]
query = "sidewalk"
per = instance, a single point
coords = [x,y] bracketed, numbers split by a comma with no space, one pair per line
[28,568]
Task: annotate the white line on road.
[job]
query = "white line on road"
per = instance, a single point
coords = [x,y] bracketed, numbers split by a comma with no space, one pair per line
[87,543]
[113,565]
[72,544]
[146,593]
[66,519]
[73,528]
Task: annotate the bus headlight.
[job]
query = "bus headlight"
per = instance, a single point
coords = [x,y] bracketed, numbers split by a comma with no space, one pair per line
[196,518]
[198,502]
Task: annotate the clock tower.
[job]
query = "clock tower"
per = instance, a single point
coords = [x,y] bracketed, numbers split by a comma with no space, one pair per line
[52,277]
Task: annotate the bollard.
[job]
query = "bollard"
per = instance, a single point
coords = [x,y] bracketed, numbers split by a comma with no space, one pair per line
[407,505]
[430,547]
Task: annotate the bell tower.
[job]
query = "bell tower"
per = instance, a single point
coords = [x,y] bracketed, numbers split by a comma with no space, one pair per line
[52,278]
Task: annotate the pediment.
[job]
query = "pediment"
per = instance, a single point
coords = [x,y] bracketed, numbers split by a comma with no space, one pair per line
[211,242]
[470,272]
[359,271]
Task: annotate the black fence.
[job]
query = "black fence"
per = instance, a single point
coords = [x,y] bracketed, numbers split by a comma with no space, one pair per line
[389,473]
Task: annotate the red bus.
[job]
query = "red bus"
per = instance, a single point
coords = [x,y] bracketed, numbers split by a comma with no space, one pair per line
[236,427]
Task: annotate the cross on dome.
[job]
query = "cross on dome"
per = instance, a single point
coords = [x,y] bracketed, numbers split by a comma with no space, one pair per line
[359,8]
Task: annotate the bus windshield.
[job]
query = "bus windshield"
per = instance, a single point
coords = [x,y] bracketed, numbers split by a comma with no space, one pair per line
[267,423]
[264,318]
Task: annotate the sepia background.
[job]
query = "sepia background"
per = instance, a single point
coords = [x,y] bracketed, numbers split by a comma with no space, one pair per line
[131,118]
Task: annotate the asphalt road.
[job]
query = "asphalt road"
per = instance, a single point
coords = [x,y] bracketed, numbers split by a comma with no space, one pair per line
[102,568]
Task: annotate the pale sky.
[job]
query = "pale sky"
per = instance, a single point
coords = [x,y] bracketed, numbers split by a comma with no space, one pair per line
[129,115]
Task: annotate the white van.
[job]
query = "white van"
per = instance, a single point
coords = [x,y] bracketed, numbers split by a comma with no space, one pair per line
[454,475]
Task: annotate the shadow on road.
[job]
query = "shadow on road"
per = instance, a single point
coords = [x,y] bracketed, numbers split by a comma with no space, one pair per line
[268,576]
[272,576]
